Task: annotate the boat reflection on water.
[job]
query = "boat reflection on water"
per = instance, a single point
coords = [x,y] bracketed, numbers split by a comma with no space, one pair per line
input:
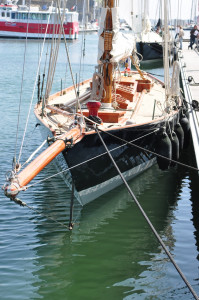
[93,215]
[110,243]
[195,206]
[192,179]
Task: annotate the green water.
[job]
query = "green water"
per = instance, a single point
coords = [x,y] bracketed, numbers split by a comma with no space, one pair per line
[111,253]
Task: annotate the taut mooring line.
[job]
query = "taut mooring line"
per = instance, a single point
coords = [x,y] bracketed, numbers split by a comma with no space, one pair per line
[148,221]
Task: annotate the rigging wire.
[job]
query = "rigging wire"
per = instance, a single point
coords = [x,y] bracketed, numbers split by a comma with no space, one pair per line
[192,9]
[178,11]
[66,47]
[55,43]
[169,9]
[157,16]
[35,152]
[57,31]
[82,46]
[166,50]
[22,81]
[67,53]
[44,73]
[30,107]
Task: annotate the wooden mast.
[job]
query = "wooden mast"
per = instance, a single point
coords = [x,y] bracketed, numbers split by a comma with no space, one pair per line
[108,67]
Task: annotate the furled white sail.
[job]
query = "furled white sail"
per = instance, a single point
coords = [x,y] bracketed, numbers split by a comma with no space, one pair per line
[122,45]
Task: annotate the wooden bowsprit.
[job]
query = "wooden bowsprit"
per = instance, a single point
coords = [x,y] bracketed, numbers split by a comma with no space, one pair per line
[18,182]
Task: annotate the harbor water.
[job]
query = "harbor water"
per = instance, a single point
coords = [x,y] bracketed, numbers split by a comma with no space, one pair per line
[111,253]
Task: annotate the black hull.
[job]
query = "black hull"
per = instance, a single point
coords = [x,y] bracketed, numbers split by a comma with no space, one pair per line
[150,51]
[95,177]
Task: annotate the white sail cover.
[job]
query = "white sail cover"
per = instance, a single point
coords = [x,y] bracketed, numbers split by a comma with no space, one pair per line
[122,45]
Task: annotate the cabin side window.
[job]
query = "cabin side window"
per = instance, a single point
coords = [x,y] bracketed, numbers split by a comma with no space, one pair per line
[45,16]
[8,14]
[13,15]
[34,16]
[3,14]
[23,16]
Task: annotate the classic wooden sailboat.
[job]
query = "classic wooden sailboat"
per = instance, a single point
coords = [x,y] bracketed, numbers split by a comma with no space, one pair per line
[133,112]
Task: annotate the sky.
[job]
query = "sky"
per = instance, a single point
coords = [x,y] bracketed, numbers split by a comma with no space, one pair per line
[179,10]
[184,11]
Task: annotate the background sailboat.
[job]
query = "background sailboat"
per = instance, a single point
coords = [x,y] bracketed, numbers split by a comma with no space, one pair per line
[148,42]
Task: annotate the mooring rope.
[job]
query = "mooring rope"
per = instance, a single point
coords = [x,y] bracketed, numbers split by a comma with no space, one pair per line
[148,221]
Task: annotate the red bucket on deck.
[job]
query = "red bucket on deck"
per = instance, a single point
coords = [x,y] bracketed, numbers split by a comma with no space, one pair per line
[93,107]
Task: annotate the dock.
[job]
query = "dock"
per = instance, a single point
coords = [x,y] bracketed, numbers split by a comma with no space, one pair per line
[189,64]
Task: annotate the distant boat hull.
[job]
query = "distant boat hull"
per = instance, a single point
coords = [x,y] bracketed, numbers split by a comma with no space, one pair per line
[30,22]
[150,51]
[36,30]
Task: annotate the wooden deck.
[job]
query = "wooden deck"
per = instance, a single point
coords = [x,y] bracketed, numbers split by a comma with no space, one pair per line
[189,62]
[140,104]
